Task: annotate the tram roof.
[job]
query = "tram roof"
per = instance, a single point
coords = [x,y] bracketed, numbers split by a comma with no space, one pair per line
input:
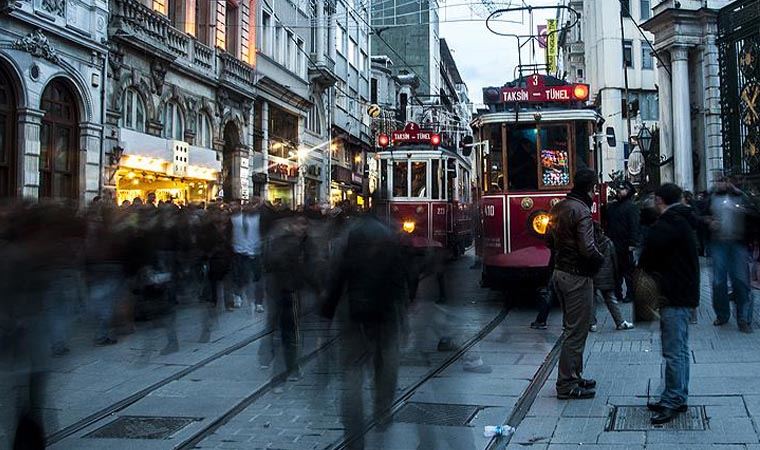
[422,151]
[526,117]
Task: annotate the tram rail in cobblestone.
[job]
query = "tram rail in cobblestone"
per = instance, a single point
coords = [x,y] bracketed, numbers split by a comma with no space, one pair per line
[137,396]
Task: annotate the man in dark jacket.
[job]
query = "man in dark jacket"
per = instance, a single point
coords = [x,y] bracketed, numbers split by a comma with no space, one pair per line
[670,257]
[576,260]
[372,273]
[623,221]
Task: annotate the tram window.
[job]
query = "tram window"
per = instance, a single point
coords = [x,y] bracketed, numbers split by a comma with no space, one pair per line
[555,157]
[419,179]
[581,146]
[383,179]
[522,158]
[494,160]
[437,179]
[400,179]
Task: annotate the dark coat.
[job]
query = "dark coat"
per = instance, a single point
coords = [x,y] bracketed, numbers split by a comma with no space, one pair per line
[571,237]
[623,224]
[607,277]
[670,257]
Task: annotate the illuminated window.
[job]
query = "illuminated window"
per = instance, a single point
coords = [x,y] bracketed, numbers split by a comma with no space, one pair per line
[133,113]
[173,122]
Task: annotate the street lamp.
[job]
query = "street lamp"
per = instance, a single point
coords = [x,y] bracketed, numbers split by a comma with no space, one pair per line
[645,139]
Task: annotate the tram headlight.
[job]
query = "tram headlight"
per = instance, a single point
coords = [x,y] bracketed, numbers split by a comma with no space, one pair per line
[539,223]
[408,226]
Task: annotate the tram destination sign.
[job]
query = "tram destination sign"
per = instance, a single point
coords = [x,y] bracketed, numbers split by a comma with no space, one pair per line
[536,91]
[412,134]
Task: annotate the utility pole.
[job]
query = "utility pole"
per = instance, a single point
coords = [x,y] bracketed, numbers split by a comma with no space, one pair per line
[625,76]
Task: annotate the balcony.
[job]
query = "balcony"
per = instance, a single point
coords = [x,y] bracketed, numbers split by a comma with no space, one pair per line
[235,73]
[141,27]
[323,72]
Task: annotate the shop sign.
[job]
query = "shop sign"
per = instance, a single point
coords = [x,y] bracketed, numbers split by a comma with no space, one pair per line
[283,171]
[356,178]
[259,177]
[537,91]
[341,174]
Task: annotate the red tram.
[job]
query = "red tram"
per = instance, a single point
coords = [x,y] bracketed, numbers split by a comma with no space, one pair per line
[539,132]
[425,189]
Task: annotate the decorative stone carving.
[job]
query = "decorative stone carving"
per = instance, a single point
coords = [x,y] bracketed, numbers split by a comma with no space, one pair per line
[247,107]
[37,44]
[55,7]
[8,5]
[222,100]
[158,75]
[116,61]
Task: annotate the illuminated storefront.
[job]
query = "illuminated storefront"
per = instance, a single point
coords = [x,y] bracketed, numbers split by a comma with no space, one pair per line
[283,176]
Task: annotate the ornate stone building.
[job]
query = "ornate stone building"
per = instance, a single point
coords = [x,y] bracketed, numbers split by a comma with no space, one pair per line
[180,99]
[52,75]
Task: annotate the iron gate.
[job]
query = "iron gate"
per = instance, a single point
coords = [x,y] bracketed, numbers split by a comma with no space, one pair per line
[739,49]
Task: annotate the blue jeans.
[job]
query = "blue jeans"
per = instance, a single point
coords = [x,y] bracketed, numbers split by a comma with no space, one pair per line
[674,328]
[730,259]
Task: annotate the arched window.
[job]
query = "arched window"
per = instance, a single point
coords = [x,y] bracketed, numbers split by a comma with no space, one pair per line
[133,113]
[59,134]
[204,134]
[174,123]
[7,137]
[313,121]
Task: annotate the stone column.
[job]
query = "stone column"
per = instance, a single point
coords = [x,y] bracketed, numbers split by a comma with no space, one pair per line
[265,143]
[332,23]
[28,168]
[322,30]
[666,118]
[712,116]
[90,159]
[682,159]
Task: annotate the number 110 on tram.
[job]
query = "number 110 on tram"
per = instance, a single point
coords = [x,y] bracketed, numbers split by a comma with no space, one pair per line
[539,132]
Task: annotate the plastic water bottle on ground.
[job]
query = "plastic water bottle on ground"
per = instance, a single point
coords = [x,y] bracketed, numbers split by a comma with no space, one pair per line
[498,430]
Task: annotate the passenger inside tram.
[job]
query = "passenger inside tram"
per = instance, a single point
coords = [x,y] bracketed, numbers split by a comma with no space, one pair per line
[522,160]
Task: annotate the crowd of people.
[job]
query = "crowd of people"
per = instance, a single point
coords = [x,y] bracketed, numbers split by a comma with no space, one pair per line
[648,253]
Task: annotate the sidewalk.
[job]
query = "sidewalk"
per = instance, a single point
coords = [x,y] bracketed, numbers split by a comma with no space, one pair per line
[724,391]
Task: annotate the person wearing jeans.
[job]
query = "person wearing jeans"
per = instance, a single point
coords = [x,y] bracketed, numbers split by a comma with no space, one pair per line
[670,257]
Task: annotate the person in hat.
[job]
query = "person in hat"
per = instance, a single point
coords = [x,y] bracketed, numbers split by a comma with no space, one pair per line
[623,220]
[576,260]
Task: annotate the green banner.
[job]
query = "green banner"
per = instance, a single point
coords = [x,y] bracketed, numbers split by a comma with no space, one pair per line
[551,46]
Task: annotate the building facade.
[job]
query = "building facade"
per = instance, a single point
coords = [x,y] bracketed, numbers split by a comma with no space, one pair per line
[52,76]
[685,35]
[619,65]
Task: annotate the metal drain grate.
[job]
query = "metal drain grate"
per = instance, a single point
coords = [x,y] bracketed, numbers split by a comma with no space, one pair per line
[142,427]
[637,418]
[437,414]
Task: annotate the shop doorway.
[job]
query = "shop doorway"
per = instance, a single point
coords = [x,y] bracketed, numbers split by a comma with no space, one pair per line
[59,158]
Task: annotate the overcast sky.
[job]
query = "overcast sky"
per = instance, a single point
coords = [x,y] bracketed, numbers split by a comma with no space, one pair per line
[483,58]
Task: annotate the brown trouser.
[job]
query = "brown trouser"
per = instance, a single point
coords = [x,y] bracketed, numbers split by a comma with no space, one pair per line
[576,295]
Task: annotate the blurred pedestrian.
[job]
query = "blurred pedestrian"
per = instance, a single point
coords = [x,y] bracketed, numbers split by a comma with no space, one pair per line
[606,282]
[623,220]
[214,241]
[577,259]
[670,257]
[372,273]
[728,208]
[246,246]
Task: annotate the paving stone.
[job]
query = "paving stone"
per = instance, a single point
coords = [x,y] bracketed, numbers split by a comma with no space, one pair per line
[578,430]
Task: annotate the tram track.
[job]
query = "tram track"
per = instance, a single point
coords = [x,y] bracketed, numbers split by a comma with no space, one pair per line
[114,408]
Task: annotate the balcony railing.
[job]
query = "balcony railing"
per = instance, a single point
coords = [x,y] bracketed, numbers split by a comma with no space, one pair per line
[144,27]
[235,71]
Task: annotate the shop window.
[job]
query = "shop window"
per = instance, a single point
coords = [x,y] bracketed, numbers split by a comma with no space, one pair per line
[173,122]
[133,114]
[232,27]
[204,133]
[59,135]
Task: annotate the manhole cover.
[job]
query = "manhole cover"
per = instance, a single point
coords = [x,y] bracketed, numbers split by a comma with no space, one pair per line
[140,427]
[437,414]
[637,418]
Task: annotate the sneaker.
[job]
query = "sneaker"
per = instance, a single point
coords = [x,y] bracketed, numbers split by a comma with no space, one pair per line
[259,308]
[538,325]
[592,328]
[745,328]
[237,302]
[587,383]
[625,325]
[577,393]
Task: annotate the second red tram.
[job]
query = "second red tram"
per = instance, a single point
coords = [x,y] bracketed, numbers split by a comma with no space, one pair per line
[539,132]
[425,190]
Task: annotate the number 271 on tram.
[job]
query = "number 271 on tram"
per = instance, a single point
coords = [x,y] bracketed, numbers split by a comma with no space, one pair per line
[539,133]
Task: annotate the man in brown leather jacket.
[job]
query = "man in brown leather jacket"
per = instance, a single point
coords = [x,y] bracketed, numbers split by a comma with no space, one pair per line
[576,260]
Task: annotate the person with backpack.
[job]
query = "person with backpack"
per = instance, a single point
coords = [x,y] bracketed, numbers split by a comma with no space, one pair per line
[605,282]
